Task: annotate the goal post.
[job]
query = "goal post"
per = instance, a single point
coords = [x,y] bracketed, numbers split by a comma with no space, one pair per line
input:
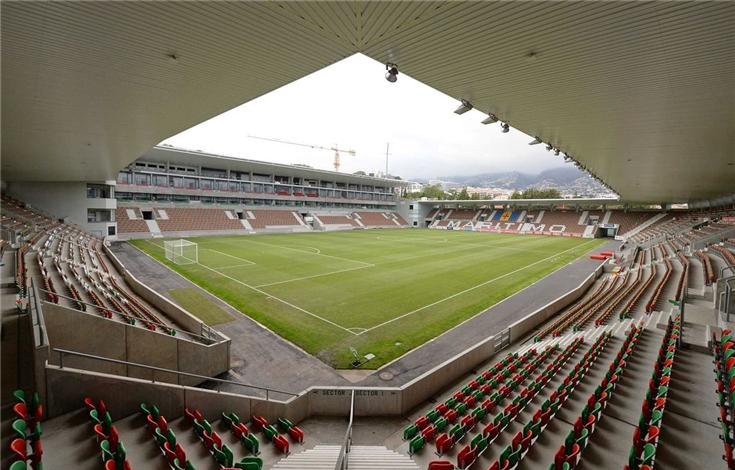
[181,251]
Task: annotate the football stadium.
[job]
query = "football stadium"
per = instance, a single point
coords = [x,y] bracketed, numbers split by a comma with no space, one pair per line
[165,308]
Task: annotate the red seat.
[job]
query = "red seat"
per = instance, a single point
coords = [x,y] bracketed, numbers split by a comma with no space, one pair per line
[296,433]
[89,403]
[444,443]
[37,453]
[180,453]
[169,452]
[441,465]
[281,443]
[466,456]
[260,422]
[101,436]
[18,446]
[21,411]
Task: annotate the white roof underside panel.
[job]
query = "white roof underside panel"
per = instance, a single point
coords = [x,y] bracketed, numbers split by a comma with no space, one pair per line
[642,93]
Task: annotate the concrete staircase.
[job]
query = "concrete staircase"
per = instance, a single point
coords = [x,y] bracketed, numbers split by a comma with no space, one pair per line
[378,458]
[321,457]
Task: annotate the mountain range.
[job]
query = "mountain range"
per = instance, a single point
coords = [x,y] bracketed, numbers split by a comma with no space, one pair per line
[568,180]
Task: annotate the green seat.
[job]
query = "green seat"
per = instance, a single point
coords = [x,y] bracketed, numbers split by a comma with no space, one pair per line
[249,463]
[120,454]
[177,465]
[207,426]
[416,444]
[107,453]
[410,432]
[20,396]
[441,424]
[20,428]
[284,424]
[223,455]
[189,465]
[270,432]
[198,429]
[95,416]
[250,442]
[230,418]
[171,438]
[19,465]
[160,438]
[649,451]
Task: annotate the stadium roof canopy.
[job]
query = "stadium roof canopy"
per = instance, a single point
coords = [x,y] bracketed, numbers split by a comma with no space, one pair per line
[641,93]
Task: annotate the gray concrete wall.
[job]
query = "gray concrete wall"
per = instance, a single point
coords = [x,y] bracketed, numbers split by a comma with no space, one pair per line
[86,333]
[64,200]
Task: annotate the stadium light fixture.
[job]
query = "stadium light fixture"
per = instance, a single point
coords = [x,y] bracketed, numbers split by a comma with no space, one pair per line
[490,119]
[504,127]
[535,141]
[549,147]
[463,108]
[391,73]
[556,152]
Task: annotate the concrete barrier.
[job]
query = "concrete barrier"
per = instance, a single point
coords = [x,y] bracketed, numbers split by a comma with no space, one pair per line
[86,333]
[520,328]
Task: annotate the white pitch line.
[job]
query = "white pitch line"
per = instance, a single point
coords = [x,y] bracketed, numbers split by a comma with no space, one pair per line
[231,256]
[307,252]
[232,266]
[312,276]
[278,299]
[490,281]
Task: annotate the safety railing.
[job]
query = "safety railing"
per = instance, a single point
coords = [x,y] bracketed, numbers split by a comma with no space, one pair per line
[344,451]
[179,374]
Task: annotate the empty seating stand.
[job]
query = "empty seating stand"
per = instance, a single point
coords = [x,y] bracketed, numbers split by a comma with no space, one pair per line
[570,452]
[723,349]
[646,433]
[25,449]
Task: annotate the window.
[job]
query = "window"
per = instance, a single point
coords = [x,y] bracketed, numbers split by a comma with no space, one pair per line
[97,191]
[99,215]
[111,230]
[410,207]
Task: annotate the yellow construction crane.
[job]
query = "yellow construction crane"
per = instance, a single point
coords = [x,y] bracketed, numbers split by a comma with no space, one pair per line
[334,149]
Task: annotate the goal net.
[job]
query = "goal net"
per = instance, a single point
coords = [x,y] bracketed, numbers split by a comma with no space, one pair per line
[181,251]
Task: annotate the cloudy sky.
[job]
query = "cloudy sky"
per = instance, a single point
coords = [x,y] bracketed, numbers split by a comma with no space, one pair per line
[350,104]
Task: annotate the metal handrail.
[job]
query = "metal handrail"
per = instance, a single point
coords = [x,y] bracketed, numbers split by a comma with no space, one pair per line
[347,440]
[204,339]
[178,373]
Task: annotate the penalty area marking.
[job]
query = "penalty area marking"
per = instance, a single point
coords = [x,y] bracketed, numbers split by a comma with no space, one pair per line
[312,276]
[489,281]
[308,252]
[247,261]
[285,302]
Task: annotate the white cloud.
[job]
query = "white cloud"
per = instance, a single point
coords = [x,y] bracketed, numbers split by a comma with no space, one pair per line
[350,104]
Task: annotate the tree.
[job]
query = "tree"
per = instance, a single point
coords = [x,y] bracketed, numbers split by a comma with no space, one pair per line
[533,193]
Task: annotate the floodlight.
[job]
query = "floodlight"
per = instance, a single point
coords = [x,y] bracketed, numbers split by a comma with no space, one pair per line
[463,108]
[392,72]
[490,119]
[535,141]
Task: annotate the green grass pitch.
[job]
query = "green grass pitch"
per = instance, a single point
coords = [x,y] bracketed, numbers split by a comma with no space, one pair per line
[380,291]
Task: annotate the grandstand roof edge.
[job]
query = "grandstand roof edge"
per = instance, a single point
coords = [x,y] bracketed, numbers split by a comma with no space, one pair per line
[197,157]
